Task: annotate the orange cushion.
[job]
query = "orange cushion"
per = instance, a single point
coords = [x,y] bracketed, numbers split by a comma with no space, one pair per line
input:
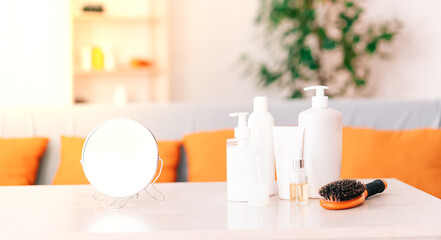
[412,156]
[170,152]
[206,155]
[70,170]
[19,160]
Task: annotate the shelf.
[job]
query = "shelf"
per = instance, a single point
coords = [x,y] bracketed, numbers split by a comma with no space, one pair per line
[118,72]
[130,29]
[98,17]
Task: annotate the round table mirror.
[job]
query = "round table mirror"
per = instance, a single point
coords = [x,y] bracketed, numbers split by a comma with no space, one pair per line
[120,157]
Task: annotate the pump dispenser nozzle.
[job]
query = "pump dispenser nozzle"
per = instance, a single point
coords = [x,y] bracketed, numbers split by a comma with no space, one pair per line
[242,130]
[319,100]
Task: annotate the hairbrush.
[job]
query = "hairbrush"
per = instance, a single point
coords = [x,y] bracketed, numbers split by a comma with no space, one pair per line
[348,193]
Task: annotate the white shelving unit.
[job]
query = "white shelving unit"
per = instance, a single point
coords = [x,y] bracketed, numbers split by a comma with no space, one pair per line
[143,35]
[92,17]
[148,72]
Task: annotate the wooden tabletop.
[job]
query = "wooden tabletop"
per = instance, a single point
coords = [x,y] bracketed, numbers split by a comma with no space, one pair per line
[201,211]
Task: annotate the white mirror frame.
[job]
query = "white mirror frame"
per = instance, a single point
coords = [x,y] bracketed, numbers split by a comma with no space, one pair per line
[120,158]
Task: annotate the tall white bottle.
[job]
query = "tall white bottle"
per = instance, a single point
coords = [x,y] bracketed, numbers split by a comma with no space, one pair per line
[238,155]
[258,188]
[260,123]
[322,141]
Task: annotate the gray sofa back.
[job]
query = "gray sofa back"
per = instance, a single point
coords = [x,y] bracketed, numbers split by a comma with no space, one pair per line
[173,121]
[365,113]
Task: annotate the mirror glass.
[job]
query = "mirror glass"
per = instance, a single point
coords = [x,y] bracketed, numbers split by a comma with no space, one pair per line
[120,157]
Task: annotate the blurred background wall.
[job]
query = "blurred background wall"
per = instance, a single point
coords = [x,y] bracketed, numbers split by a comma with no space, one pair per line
[208,37]
[35,53]
[200,45]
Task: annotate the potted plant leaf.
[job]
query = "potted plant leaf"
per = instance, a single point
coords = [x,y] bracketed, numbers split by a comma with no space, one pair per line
[323,42]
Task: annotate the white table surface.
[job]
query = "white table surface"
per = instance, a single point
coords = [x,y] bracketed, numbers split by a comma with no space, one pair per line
[201,211]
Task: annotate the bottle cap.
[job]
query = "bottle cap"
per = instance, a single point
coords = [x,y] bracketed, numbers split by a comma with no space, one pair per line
[319,100]
[260,104]
[242,130]
[299,163]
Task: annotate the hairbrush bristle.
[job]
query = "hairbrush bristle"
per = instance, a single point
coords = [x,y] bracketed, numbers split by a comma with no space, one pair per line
[342,190]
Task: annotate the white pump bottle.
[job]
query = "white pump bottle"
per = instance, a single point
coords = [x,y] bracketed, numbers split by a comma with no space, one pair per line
[238,160]
[261,123]
[322,141]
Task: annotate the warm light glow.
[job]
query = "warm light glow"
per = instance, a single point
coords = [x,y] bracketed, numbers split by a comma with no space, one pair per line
[35,59]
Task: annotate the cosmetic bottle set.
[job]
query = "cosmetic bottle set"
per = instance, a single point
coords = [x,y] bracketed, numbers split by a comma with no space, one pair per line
[250,157]
[306,157]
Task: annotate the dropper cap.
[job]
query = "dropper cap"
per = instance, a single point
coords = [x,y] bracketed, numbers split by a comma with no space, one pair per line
[298,163]
[319,100]
[260,104]
[242,130]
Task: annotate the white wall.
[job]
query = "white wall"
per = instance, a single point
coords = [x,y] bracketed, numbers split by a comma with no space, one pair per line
[35,53]
[207,38]
[414,71]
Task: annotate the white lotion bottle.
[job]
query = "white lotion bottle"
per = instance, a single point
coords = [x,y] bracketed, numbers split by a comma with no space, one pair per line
[258,192]
[261,124]
[322,141]
[238,160]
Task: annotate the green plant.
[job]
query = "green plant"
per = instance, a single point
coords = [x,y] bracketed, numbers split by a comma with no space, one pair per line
[318,42]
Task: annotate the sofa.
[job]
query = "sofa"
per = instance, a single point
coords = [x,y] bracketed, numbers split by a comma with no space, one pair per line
[175,120]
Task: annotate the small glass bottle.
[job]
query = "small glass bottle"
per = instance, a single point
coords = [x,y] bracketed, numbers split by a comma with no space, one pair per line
[299,183]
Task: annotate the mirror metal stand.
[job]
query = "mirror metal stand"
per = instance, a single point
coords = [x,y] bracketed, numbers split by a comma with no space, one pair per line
[119,203]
